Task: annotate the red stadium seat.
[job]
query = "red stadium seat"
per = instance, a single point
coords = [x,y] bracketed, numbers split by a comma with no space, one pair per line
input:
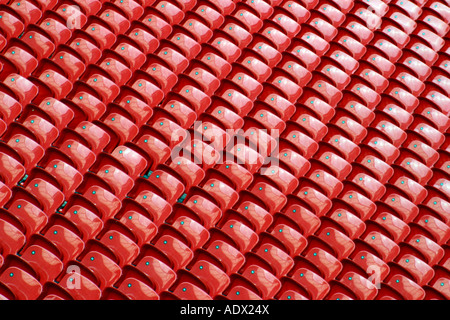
[224,149]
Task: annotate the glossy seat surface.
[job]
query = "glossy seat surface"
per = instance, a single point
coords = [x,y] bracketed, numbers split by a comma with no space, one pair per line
[224,149]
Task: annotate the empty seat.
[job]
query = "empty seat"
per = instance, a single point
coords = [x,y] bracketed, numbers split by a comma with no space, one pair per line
[22,284]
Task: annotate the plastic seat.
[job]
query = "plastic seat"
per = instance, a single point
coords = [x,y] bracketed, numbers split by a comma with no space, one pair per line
[352,128]
[264,141]
[93,107]
[158,208]
[314,284]
[122,126]
[403,207]
[363,206]
[430,134]
[157,25]
[195,233]
[404,97]
[12,238]
[219,65]
[272,197]
[165,77]
[19,60]
[97,138]
[105,201]
[266,282]
[68,243]
[156,149]
[197,98]
[414,191]
[371,264]
[117,179]
[363,33]
[342,245]
[279,260]
[11,170]
[43,129]
[297,10]
[86,221]
[135,289]
[438,99]
[329,266]
[179,253]
[30,151]
[46,264]
[21,283]
[171,187]
[208,211]
[361,113]
[326,181]
[131,54]
[436,227]
[369,96]
[190,171]
[306,145]
[372,187]
[25,90]
[396,227]
[242,293]
[353,225]
[80,287]
[421,173]
[86,49]
[437,117]
[293,241]
[31,217]
[324,27]
[339,166]
[440,285]
[10,25]
[106,88]
[306,220]
[147,42]
[224,194]
[59,113]
[103,36]
[123,247]
[214,278]
[73,15]
[58,31]
[118,23]
[387,248]
[79,153]
[73,66]
[200,31]
[142,227]
[260,218]
[244,237]
[316,200]
[211,15]
[189,291]
[363,288]
[320,46]
[10,108]
[432,252]
[158,272]
[406,287]
[230,257]
[421,271]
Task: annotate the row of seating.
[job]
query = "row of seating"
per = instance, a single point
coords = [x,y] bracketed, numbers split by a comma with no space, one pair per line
[273,189]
